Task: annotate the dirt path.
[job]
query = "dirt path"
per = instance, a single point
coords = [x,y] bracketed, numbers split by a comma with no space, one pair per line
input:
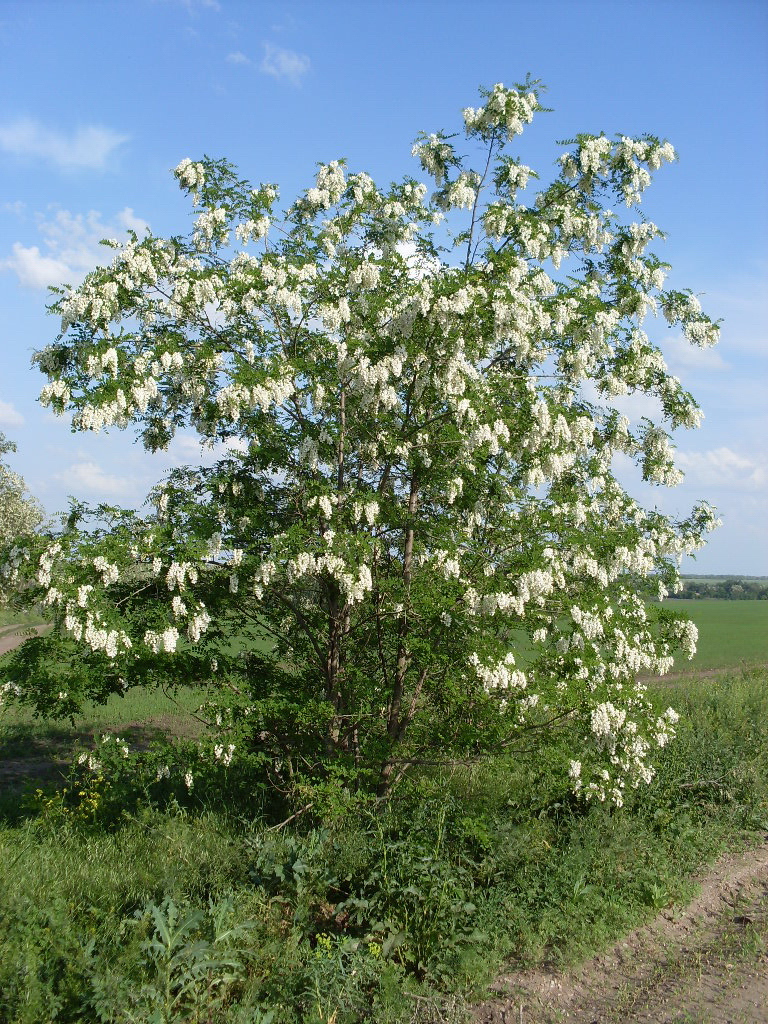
[704,964]
[14,635]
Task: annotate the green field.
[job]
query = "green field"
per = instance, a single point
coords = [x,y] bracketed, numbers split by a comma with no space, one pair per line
[731,633]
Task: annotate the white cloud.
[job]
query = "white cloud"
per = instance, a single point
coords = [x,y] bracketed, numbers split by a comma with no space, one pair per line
[724,468]
[284,65]
[128,219]
[87,147]
[634,406]
[238,58]
[91,477]
[193,5]
[9,416]
[72,247]
[34,270]
[189,449]
[17,208]
[683,357]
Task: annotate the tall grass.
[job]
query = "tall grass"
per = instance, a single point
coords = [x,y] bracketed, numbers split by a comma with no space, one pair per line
[187,912]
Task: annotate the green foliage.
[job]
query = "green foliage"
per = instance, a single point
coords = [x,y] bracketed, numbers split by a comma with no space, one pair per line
[412,395]
[727,588]
[191,961]
[365,910]
[20,514]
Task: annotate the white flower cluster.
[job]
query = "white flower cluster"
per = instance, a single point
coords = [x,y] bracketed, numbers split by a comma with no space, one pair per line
[365,511]
[434,155]
[614,732]
[462,193]
[89,761]
[55,394]
[106,362]
[118,742]
[191,176]
[687,637]
[365,275]
[109,572]
[252,229]
[500,676]
[505,108]
[96,634]
[209,226]
[330,186]
[165,641]
[594,153]
[685,309]
[354,585]
[9,689]
[179,573]
[46,563]
[234,399]
[223,754]
[262,577]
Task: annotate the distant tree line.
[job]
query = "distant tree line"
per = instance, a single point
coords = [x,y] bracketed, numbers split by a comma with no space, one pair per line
[728,588]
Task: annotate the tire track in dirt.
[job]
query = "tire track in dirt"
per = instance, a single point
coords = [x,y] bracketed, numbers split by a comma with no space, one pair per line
[707,962]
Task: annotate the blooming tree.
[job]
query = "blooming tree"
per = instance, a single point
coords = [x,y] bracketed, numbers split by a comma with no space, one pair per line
[19,512]
[412,543]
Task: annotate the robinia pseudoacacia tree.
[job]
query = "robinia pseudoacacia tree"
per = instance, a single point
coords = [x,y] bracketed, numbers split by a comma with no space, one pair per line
[20,514]
[412,544]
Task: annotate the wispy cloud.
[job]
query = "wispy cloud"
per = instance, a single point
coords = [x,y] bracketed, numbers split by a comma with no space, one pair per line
[724,468]
[188,448]
[87,148]
[683,357]
[284,65]
[238,58]
[89,476]
[36,270]
[71,247]
[193,6]
[9,416]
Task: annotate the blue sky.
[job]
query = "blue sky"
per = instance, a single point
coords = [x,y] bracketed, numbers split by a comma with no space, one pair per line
[100,99]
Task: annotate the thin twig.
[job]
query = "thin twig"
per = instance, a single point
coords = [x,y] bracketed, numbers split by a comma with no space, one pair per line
[293,817]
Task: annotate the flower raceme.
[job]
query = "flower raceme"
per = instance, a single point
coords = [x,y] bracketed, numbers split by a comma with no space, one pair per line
[413,537]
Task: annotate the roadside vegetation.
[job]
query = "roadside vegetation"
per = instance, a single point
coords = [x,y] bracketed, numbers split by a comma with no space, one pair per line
[126,898]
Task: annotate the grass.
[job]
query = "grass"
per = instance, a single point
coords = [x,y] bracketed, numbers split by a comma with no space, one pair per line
[390,914]
[127,901]
[12,616]
[730,633]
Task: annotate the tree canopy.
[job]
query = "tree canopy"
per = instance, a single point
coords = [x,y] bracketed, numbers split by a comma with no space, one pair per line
[20,513]
[412,544]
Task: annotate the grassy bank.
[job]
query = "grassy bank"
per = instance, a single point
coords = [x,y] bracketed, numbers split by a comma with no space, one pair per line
[171,908]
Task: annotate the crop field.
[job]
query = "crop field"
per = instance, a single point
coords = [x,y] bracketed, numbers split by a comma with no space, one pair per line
[731,633]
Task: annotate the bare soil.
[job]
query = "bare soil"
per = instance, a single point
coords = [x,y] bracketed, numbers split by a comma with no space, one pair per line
[14,635]
[706,963]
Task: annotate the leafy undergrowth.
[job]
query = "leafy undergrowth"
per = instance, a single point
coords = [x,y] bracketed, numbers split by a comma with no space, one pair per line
[134,901]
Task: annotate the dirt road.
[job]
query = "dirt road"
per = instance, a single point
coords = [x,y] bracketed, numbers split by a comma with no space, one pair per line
[703,964]
[14,635]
